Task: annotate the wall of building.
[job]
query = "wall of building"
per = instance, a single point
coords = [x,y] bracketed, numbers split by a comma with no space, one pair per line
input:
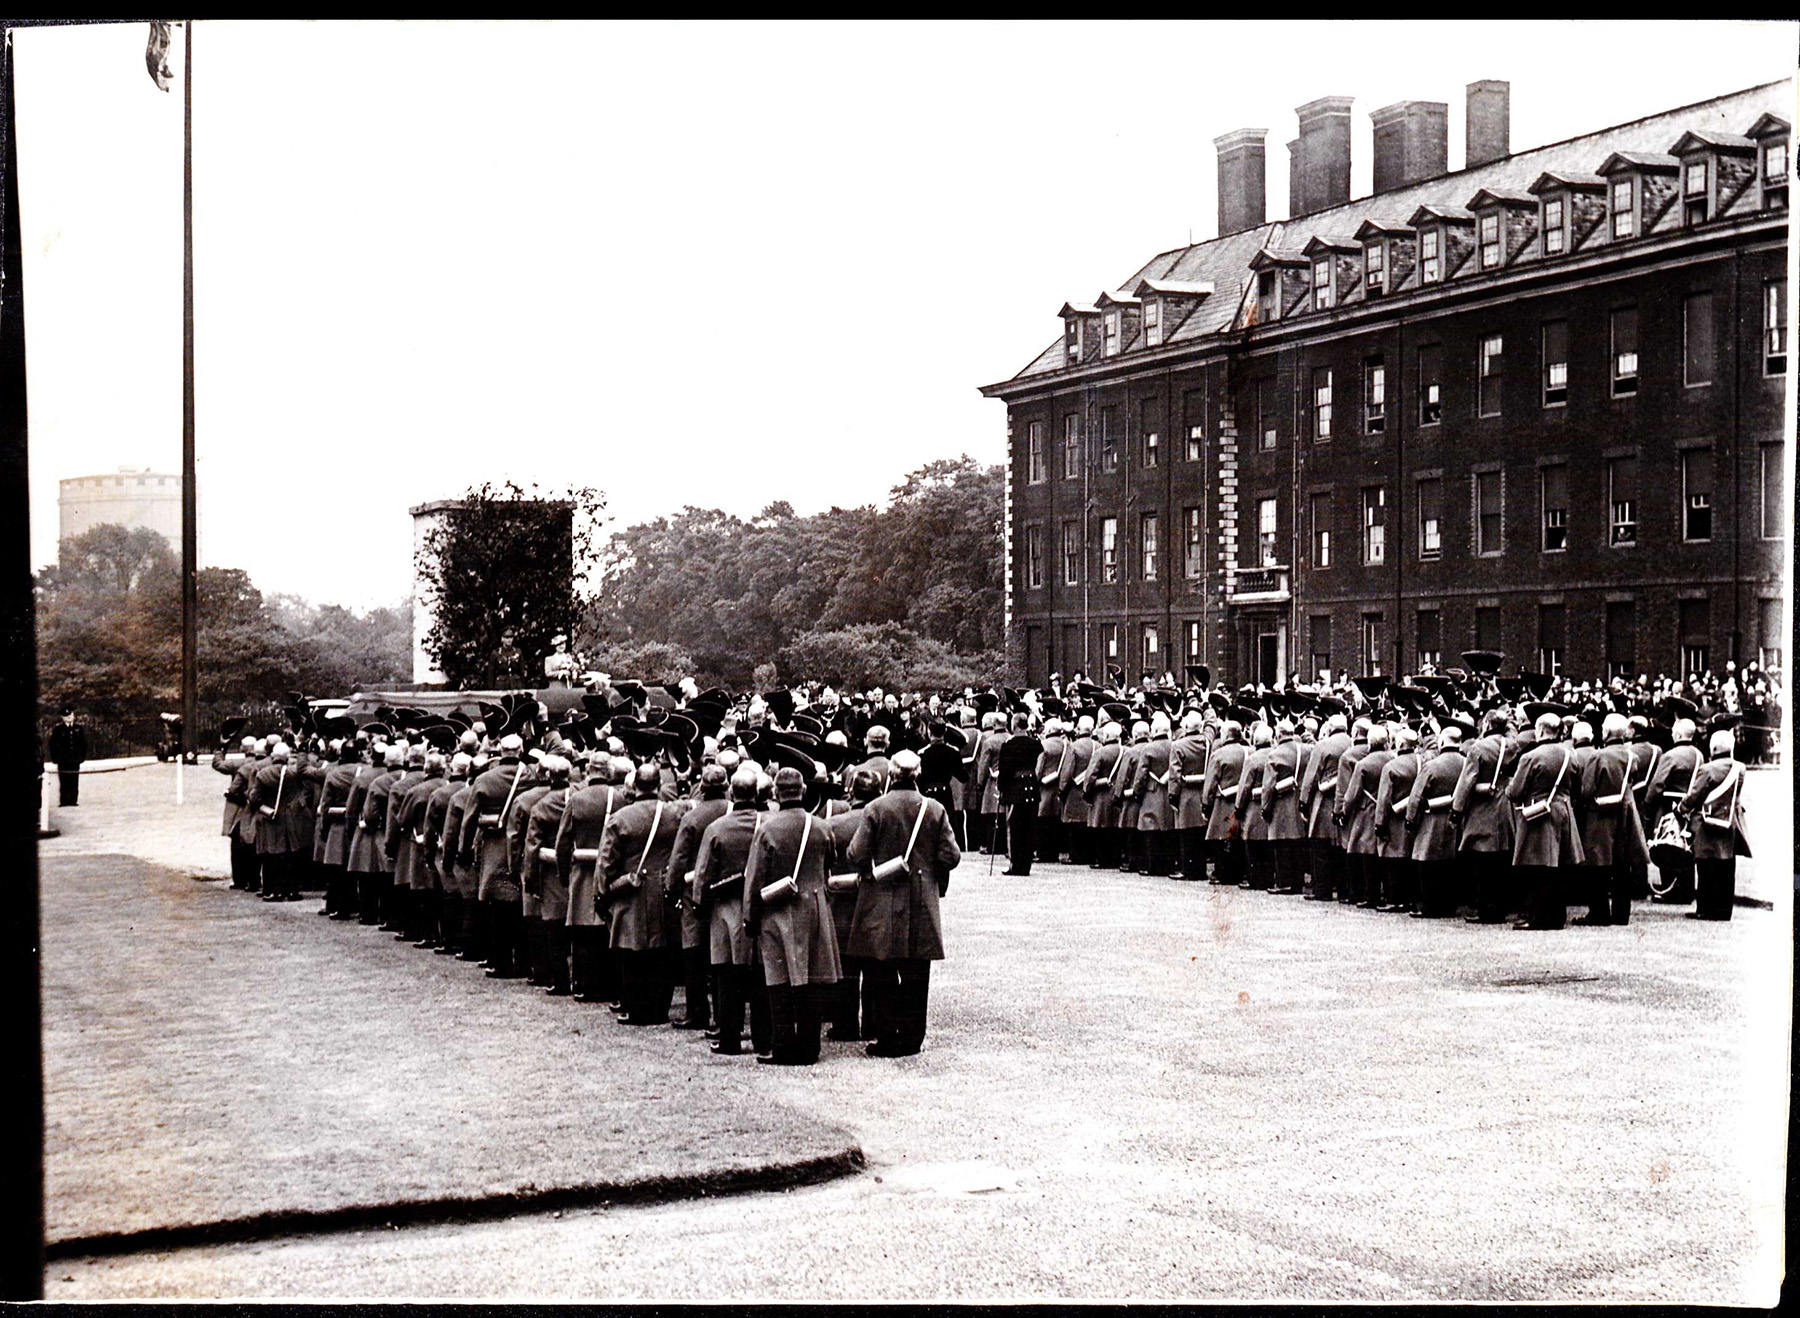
[128,498]
[1718,590]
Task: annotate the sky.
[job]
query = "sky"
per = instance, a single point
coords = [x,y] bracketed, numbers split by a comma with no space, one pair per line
[686,263]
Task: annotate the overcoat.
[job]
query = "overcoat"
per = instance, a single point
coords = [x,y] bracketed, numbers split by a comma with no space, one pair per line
[1073,802]
[1675,770]
[796,937]
[1318,785]
[1150,785]
[987,770]
[410,869]
[1611,834]
[1248,801]
[1281,805]
[484,828]
[540,878]
[1391,791]
[392,832]
[1099,785]
[1481,801]
[897,919]
[634,857]
[331,841]
[365,843]
[1187,776]
[585,818]
[237,790]
[1362,835]
[724,852]
[288,829]
[518,823]
[1434,835]
[1550,840]
[1224,771]
[681,860]
[435,810]
[1717,793]
[843,826]
[1049,774]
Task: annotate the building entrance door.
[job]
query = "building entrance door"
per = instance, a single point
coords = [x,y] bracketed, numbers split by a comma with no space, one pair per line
[1268,658]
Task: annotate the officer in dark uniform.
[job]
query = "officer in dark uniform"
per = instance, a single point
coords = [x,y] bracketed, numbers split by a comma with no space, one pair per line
[68,748]
[1019,790]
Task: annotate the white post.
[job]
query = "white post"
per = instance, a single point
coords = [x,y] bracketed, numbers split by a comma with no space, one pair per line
[180,775]
[44,804]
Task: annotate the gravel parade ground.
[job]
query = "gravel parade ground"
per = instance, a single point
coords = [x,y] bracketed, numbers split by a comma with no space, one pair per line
[1131,1088]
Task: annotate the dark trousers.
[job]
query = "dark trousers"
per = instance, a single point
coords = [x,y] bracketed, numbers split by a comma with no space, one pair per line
[695,972]
[1492,879]
[1325,861]
[556,955]
[1075,842]
[340,891]
[1102,843]
[993,832]
[1609,889]
[843,1001]
[368,897]
[1679,875]
[1228,860]
[794,1022]
[245,868]
[425,916]
[390,903]
[729,985]
[68,782]
[1048,845]
[1398,881]
[1289,864]
[1157,850]
[1437,887]
[897,995]
[595,978]
[645,986]
[1258,865]
[1547,899]
[756,994]
[1715,888]
[1190,852]
[1021,837]
[959,827]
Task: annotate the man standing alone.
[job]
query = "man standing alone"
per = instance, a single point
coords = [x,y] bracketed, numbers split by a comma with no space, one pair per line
[68,748]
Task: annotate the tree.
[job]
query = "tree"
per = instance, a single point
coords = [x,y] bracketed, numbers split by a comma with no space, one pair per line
[883,654]
[503,568]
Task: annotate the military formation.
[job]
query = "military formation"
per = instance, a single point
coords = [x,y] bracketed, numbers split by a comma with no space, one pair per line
[779,873]
[780,858]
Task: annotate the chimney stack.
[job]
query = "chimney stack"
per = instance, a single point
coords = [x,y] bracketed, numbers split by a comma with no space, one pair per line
[1242,181]
[1294,177]
[1488,127]
[1324,160]
[1412,141]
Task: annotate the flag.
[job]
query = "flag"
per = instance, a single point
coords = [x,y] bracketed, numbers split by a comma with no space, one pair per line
[156,54]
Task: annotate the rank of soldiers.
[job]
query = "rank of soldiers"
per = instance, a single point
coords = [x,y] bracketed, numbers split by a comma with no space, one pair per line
[781,857]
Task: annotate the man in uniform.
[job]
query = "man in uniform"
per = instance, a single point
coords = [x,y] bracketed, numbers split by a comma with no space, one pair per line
[1676,770]
[1318,798]
[1152,769]
[1187,778]
[1218,797]
[1350,873]
[794,931]
[1017,764]
[875,741]
[1247,806]
[396,843]
[987,781]
[331,834]
[68,749]
[896,924]
[1280,793]
[1547,842]
[483,849]
[447,934]
[1484,819]
[366,858]
[242,838]
[696,961]
[634,857]
[552,776]
[1430,826]
[1125,792]
[459,884]
[410,868]
[1098,786]
[942,769]
[1356,816]
[717,890]
[1393,848]
[1072,803]
[282,832]
[1714,810]
[844,1009]
[541,879]
[1048,842]
[585,820]
[1612,835]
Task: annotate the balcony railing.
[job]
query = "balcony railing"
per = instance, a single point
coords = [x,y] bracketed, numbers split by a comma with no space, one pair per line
[1258,585]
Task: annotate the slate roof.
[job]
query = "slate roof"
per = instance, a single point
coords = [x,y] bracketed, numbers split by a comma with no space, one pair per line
[1225,261]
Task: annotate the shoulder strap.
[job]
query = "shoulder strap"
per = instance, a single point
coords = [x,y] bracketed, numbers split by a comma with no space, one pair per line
[650,841]
[915,832]
[1568,754]
[805,833]
[518,777]
[1733,777]
[1649,770]
[280,783]
[1499,759]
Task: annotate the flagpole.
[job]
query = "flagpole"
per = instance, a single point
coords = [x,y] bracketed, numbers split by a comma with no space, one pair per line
[190,535]
[21,1039]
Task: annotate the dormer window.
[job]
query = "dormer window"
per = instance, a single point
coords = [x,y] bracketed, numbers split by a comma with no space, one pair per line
[1693,193]
[1112,333]
[1623,194]
[1556,226]
[1490,240]
[1074,342]
[1321,273]
[1374,269]
[1152,321]
[1431,262]
[1266,298]
[1775,176]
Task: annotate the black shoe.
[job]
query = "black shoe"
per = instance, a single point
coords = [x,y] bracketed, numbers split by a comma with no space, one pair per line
[498,973]
[444,950]
[1588,922]
[326,912]
[687,1025]
[711,1033]
[557,991]
[875,1050]
[723,1049]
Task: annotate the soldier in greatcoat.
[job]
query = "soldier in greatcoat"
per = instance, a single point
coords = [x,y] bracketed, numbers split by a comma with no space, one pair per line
[1048,843]
[459,881]
[1129,844]
[541,879]
[446,935]
[1394,862]
[552,775]
[1675,773]
[1612,836]
[1218,797]
[1099,787]
[1350,873]
[585,819]
[795,935]
[717,890]
[1258,867]
[634,857]
[482,847]
[1155,818]
[844,1010]
[410,868]
[367,861]
[331,833]
[237,793]
[1279,796]
[1431,828]
[1547,843]
[395,842]
[1071,802]
[987,781]
[1484,818]
[1714,810]
[896,924]
[1356,816]
[1318,793]
[696,963]
[283,830]
[1187,776]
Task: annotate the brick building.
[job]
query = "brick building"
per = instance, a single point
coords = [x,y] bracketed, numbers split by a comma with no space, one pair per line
[1536,405]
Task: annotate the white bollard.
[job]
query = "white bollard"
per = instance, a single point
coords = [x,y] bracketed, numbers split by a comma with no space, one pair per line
[180,778]
[44,805]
